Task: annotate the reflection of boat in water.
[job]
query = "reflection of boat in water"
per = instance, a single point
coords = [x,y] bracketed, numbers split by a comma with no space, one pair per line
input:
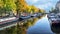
[55,28]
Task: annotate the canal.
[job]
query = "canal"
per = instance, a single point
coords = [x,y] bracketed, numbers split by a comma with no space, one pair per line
[37,25]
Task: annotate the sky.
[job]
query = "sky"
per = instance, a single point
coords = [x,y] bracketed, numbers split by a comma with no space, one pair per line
[43,4]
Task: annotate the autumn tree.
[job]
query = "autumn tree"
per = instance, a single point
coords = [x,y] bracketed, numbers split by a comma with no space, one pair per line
[54,10]
[9,6]
[1,7]
[21,6]
[33,9]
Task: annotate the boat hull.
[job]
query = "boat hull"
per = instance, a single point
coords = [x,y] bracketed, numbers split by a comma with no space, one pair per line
[6,22]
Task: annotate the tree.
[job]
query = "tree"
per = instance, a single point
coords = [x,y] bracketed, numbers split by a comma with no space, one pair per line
[1,7]
[9,5]
[53,10]
[32,9]
[21,6]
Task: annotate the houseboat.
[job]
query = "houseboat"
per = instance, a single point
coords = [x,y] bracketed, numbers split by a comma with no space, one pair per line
[5,21]
[54,20]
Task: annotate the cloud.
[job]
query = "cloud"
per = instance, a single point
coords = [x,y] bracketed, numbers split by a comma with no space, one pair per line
[32,1]
[43,4]
[46,5]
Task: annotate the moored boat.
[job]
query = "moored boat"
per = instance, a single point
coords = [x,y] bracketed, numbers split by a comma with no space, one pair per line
[8,21]
[54,19]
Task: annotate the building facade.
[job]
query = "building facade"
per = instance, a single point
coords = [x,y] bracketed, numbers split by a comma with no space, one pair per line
[58,6]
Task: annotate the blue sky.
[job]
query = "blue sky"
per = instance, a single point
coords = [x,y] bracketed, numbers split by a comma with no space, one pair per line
[43,4]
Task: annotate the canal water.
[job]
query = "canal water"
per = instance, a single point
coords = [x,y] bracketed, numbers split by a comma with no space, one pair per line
[37,25]
[42,26]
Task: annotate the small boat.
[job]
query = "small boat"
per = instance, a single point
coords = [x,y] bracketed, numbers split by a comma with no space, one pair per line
[24,16]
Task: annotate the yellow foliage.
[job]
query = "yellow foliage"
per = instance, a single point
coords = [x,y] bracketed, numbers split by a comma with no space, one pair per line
[33,9]
[42,11]
[22,6]
[1,4]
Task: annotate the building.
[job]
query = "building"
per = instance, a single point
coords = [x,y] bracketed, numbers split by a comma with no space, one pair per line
[58,6]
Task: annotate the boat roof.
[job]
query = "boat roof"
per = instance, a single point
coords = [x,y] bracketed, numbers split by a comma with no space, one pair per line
[9,18]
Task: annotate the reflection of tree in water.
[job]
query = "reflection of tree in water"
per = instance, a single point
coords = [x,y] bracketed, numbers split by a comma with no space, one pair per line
[11,30]
[21,27]
[26,25]
[2,32]
[29,23]
[55,28]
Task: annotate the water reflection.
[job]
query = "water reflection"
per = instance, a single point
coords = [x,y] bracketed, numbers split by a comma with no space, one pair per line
[55,28]
[32,26]
[21,27]
[42,26]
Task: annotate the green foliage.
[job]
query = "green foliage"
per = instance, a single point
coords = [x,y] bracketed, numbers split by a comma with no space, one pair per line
[18,6]
[53,10]
[9,5]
